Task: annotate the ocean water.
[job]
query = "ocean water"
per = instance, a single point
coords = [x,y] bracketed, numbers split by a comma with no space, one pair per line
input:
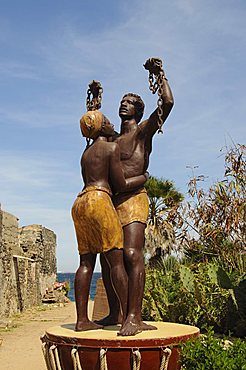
[69,276]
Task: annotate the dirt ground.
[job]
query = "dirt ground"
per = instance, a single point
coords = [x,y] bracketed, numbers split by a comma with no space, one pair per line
[21,345]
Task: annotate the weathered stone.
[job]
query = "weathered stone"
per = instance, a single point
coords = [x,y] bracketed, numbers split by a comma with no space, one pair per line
[27,264]
[9,245]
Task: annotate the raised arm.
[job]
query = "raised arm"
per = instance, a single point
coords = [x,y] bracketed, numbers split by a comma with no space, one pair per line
[118,182]
[165,100]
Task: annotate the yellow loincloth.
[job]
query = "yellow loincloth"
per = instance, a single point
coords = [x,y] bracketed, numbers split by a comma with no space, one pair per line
[96,223]
[132,207]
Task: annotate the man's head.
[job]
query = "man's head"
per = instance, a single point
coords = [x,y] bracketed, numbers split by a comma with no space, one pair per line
[131,106]
[94,123]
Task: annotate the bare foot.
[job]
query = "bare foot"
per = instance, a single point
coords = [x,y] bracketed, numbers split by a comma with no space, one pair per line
[87,325]
[145,326]
[131,326]
[108,321]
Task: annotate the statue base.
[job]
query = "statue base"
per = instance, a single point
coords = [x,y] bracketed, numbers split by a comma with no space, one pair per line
[101,349]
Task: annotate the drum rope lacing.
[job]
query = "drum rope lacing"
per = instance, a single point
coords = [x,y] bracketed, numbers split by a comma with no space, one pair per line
[52,361]
[46,355]
[165,358]
[103,359]
[54,357]
[76,360]
[136,359]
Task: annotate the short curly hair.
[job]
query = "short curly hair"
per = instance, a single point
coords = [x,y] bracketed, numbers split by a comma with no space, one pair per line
[139,105]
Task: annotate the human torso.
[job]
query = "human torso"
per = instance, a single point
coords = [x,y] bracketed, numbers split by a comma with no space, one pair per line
[133,152]
[95,165]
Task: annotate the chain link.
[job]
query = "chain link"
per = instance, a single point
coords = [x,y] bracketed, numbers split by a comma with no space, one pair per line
[156,83]
[153,85]
[160,81]
[94,102]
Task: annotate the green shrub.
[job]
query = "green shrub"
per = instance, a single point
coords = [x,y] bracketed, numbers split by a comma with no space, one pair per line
[210,353]
[162,287]
[200,294]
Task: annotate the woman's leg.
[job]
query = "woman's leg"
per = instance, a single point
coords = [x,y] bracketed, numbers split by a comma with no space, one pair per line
[82,284]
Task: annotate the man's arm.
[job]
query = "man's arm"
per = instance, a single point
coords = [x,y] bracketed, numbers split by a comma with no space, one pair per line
[118,182]
[165,101]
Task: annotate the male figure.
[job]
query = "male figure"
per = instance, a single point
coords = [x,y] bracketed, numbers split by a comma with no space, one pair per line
[97,226]
[135,142]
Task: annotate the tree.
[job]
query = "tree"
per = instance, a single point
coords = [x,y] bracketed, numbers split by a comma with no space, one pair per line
[213,223]
[208,286]
[164,198]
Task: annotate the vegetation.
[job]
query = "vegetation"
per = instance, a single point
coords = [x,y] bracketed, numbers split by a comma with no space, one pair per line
[207,284]
[163,199]
[195,294]
[213,224]
[211,353]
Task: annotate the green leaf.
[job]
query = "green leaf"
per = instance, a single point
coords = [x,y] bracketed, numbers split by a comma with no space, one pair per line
[187,278]
[212,273]
[224,279]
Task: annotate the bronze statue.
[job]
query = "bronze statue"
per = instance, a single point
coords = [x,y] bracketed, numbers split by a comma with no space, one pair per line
[97,225]
[135,143]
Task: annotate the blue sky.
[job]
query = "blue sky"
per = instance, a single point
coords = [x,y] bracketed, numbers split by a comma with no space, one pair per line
[51,50]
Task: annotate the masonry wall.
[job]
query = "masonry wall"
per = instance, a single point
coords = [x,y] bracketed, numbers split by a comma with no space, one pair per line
[9,245]
[39,244]
[27,264]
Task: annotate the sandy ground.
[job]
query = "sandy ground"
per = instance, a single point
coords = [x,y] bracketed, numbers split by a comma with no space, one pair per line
[21,346]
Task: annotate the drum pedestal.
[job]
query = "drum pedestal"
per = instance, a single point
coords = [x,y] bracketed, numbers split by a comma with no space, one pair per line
[66,349]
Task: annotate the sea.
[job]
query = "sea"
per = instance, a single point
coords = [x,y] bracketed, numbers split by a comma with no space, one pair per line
[69,276]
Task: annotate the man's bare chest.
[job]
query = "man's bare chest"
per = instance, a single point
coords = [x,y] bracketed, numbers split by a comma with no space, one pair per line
[131,146]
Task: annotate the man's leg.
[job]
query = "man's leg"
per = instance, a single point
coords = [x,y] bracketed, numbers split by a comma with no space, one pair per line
[82,284]
[118,277]
[134,263]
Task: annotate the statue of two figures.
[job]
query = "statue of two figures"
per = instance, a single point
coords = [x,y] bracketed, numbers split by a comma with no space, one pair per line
[111,211]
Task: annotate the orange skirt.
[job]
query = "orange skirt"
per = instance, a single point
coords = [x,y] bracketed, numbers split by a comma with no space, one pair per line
[96,222]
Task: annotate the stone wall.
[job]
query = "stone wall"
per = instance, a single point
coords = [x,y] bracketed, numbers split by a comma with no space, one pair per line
[27,264]
[9,245]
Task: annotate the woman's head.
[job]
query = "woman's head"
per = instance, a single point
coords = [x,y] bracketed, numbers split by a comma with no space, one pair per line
[94,123]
